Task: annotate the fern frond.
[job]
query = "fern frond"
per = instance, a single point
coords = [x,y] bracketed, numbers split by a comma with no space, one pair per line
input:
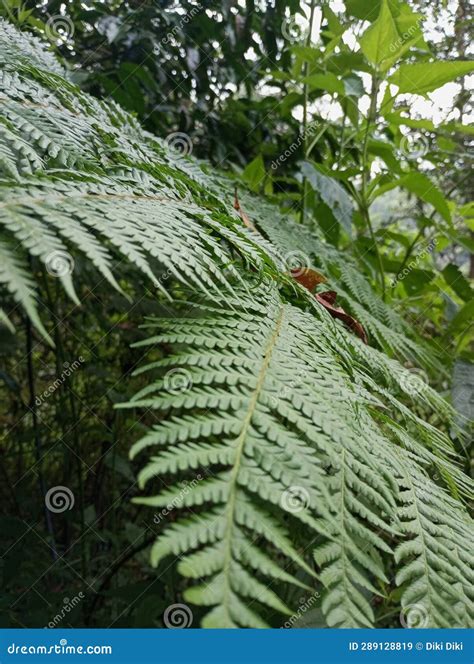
[437,561]
[282,417]
[290,454]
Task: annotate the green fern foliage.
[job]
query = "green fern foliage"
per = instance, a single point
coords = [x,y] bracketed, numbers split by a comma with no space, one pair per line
[80,177]
[271,412]
[294,455]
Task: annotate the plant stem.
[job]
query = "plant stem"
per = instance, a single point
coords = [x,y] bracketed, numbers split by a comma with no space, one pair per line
[410,249]
[37,437]
[364,204]
[113,571]
[305,112]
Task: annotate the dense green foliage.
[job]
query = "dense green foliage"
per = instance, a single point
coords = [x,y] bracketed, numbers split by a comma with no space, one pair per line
[143,315]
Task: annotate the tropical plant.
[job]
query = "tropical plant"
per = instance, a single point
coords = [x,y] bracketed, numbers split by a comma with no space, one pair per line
[295,453]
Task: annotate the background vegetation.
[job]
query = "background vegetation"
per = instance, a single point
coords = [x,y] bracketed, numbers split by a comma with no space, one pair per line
[349,158]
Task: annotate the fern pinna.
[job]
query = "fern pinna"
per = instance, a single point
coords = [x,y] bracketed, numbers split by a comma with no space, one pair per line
[290,449]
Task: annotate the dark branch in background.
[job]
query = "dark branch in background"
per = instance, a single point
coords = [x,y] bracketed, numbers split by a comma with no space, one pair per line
[37,437]
[113,571]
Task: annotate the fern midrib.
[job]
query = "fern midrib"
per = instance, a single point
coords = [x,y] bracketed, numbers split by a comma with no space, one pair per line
[47,107]
[47,198]
[239,454]
[343,532]
[421,534]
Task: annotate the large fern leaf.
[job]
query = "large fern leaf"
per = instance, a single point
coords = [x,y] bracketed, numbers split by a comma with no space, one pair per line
[271,410]
[291,455]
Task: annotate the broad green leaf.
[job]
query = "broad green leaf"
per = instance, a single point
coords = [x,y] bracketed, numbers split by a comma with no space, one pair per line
[416,281]
[385,151]
[328,224]
[424,77]
[254,173]
[334,24]
[420,185]
[409,27]
[462,391]
[347,62]
[368,10]
[458,282]
[398,119]
[462,320]
[381,41]
[353,86]
[331,193]
[329,82]
[458,127]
